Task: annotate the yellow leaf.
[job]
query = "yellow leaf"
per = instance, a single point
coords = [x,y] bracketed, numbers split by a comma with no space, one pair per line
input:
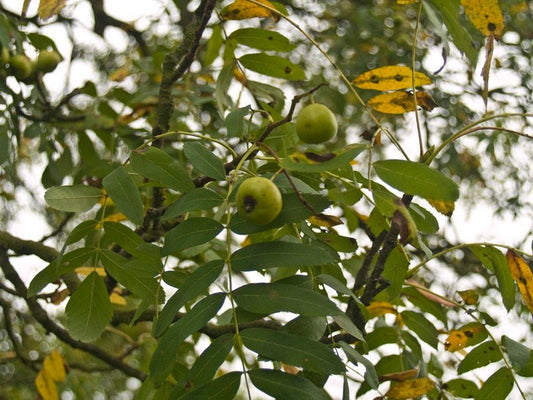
[244,9]
[327,221]
[46,386]
[523,276]
[402,2]
[87,270]
[390,78]
[379,308]
[49,8]
[444,207]
[54,366]
[401,102]
[116,217]
[486,15]
[461,338]
[410,389]
[120,74]
[117,299]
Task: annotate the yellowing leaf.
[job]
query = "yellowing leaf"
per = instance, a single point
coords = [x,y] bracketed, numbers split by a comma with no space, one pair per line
[120,74]
[410,389]
[523,276]
[117,299]
[390,78]
[486,15]
[244,9]
[46,387]
[464,337]
[379,308]
[87,270]
[49,8]
[325,220]
[469,296]
[444,207]
[401,102]
[402,2]
[399,376]
[54,366]
[25,8]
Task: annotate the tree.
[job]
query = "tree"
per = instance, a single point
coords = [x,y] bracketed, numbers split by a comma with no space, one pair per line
[154,285]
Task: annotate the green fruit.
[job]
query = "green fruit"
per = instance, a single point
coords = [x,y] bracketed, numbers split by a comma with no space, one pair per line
[258,200]
[4,56]
[20,66]
[316,124]
[47,61]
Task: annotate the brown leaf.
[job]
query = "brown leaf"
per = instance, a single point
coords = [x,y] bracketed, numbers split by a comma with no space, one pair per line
[49,8]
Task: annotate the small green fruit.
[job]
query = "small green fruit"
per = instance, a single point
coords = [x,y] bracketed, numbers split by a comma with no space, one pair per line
[4,56]
[20,66]
[316,124]
[258,200]
[47,61]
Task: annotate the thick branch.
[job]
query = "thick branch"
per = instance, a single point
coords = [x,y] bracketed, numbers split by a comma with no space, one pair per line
[27,247]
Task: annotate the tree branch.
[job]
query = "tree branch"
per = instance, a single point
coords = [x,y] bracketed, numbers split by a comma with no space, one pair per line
[27,247]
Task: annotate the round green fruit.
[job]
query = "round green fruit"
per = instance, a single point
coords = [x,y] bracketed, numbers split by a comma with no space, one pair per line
[47,61]
[316,124]
[258,200]
[4,56]
[20,66]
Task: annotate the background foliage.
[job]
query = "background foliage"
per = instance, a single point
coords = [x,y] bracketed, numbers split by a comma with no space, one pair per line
[148,282]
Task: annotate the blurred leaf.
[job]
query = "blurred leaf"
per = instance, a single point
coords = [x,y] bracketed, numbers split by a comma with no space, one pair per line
[204,161]
[275,66]
[268,298]
[243,9]
[444,207]
[521,273]
[498,386]
[390,78]
[194,285]
[235,121]
[89,309]
[470,296]
[120,186]
[417,179]
[46,387]
[155,164]
[279,254]
[262,39]
[74,198]
[213,45]
[293,350]
[222,388]
[285,386]
[410,388]
[311,162]
[189,233]
[49,8]
[164,355]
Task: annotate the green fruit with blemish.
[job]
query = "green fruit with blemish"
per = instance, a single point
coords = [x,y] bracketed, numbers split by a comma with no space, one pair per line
[47,61]
[316,124]
[258,200]
[20,66]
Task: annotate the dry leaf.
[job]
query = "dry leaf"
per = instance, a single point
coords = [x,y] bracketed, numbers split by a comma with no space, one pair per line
[523,276]
[49,8]
[390,78]
[244,9]
[410,388]
[429,295]
[486,15]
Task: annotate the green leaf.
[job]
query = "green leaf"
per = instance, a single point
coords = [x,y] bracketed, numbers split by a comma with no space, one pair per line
[348,326]
[494,260]
[426,305]
[139,281]
[235,122]
[222,88]
[420,325]
[81,231]
[498,386]
[309,327]
[279,254]
[268,298]
[461,388]
[189,233]
[479,356]
[208,363]
[89,309]
[223,388]
[517,352]
[292,350]
[424,220]
[382,335]
[275,66]
[396,267]
[131,242]
[74,198]
[262,39]
[165,354]
[213,44]
[194,285]
[69,262]
[204,161]
[120,186]
[293,210]
[194,200]
[158,166]
[285,386]
[371,376]
[338,161]
[417,179]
